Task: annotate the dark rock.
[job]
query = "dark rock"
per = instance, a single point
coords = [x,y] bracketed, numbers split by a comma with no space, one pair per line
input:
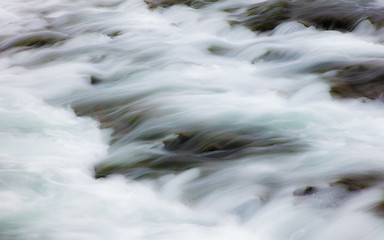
[122,117]
[138,168]
[218,50]
[151,167]
[33,40]
[227,144]
[360,80]
[103,170]
[114,34]
[322,14]
[306,191]
[277,55]
[378,209]
[190,150]
[176,163]
[265,16]
[358,182]
[355,80]
[95,80]
[169,3]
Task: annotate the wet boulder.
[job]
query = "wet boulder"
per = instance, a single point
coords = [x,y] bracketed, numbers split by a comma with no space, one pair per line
[228,144]
[121,116]
[33,40]
[169,3]
[207,143]
[151,167]
[355,183]
[197,149]
[323,14]
[167,150]
[358,182]
[95,80]
[309,190]
[265,16]
[378,209]
[349,184]
[342,190]
[359,80]
[354,79]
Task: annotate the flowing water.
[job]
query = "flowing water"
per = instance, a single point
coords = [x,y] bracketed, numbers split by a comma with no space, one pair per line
[172,70]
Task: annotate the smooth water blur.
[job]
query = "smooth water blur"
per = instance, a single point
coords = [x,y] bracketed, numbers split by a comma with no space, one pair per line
[180,69]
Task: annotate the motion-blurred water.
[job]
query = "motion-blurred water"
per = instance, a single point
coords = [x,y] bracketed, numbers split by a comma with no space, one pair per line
[180,69]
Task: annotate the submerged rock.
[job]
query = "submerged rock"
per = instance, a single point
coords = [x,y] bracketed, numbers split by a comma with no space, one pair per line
[115,34]
[169,3]
[350,183]
[355,80]
[33,40]
[122,117]
[343,190]
[224,144]
[360,80]
[378,209]
[358,182]
[95,80]
[322,14]
[309,190]
[218,50]
[265,16]
[196,147]
[190,150]
[201,143]
[152,167]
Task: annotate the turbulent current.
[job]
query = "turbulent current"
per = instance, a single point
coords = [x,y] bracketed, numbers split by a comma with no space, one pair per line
[187,120]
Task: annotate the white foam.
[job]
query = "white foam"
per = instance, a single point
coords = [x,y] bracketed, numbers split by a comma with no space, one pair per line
[190,69]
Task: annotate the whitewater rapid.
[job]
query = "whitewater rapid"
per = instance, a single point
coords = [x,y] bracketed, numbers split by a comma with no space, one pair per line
[180,69]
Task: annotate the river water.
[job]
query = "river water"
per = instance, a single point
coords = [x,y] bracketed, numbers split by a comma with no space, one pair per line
[173,70]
